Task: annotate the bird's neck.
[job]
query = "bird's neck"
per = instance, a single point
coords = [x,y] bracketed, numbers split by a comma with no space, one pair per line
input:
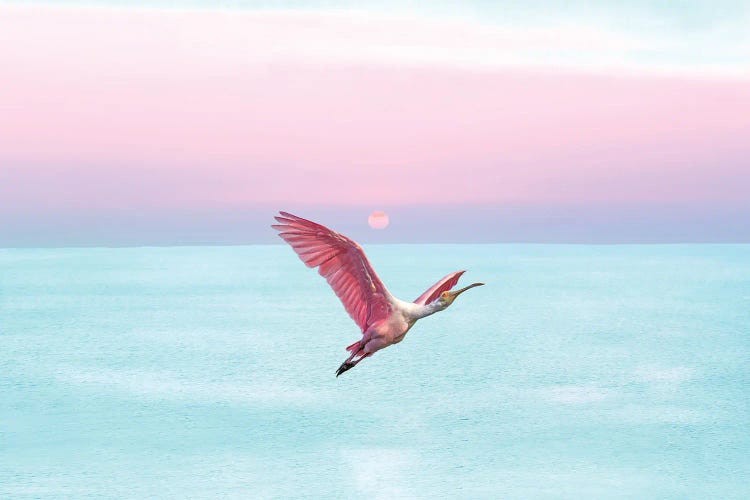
[419,311]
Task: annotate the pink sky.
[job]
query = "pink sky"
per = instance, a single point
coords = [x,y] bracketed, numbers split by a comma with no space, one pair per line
[157,108]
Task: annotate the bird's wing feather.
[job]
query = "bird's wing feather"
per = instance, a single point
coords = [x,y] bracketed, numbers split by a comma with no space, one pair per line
[445,284]
[343,263]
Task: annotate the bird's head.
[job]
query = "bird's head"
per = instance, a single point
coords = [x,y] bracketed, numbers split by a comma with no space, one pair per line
[447,298]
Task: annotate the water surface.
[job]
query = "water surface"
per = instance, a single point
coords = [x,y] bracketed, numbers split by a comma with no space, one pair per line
[208,372]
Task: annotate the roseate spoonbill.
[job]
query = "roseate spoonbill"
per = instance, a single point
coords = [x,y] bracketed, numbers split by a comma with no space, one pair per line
[383,318]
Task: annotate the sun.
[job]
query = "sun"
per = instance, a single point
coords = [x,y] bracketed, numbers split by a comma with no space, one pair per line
[378,220]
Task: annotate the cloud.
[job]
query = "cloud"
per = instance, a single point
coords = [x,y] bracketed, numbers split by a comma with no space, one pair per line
[596,41]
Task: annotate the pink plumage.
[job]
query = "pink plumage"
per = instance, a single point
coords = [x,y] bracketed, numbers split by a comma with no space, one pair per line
[446,283]
[383,319]
[342,263]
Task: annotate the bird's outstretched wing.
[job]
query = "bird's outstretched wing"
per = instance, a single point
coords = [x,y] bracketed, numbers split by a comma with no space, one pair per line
[342,263]
[445,284]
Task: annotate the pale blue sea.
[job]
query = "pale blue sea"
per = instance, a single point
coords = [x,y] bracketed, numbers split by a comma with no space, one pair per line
[208,372]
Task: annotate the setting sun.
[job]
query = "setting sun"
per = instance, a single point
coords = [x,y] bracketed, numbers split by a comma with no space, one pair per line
[378,220]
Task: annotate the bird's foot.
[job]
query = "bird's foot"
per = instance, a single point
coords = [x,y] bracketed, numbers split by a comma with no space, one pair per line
[346,365]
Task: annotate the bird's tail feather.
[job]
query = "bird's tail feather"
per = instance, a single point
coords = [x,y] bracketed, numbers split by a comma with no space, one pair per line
[354,347]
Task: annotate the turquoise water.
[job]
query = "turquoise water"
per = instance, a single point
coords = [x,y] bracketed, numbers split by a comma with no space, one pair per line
[208,372]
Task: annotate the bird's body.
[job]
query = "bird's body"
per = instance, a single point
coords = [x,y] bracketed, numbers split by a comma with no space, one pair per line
[383,318]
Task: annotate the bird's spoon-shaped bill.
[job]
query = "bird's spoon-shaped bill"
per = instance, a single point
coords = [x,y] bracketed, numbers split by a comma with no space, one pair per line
[458,292]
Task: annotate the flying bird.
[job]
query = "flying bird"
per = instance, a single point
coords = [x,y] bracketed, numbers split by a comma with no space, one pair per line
[383,319]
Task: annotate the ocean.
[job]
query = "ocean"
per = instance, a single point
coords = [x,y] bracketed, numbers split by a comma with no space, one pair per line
[209,372]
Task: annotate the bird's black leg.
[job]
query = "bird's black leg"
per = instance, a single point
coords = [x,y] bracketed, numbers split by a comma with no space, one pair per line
[348,364]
